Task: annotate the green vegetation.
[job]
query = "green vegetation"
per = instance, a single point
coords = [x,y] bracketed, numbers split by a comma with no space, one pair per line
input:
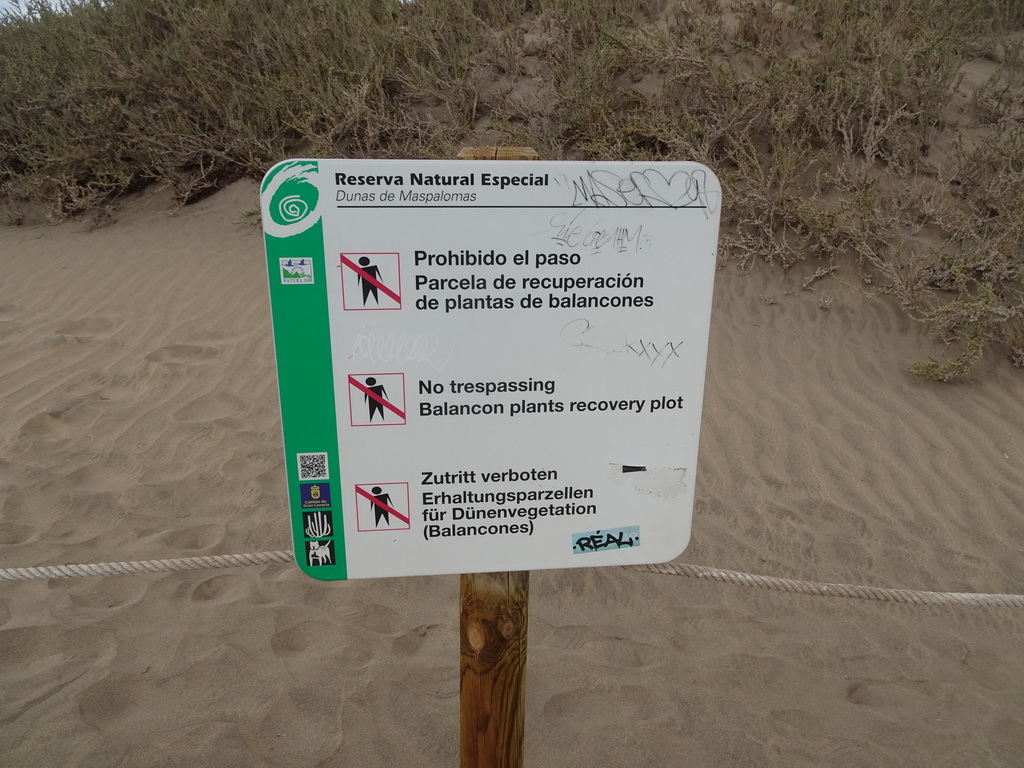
[882,138]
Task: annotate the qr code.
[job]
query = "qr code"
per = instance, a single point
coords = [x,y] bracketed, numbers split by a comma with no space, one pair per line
[313,466]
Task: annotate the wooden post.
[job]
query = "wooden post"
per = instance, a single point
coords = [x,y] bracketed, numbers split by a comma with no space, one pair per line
[492,686]
[493,623]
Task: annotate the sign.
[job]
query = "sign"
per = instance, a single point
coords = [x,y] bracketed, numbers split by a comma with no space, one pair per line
[370,402]
[534,336]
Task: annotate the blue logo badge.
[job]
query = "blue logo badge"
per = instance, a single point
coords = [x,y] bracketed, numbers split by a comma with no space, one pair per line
[315,495]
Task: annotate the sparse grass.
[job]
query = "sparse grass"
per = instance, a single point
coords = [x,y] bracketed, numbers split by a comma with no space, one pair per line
[852,132]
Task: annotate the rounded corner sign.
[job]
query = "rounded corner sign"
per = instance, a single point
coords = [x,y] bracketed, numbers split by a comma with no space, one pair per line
[489,366]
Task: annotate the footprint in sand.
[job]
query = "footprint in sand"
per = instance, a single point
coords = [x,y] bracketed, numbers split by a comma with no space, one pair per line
[211,407]
[272,483]
[234,424]
[110,702]
[226,588]
[369,617]
[162,475]
[97,478]
[852,754]
[89,328]
[183,354]
[14,533]
[318,639]
[410,643]
[98,599]
[22,648]
[896,695]
[198,537]
[629,703]
[61,421]
[46,424]
[604,649]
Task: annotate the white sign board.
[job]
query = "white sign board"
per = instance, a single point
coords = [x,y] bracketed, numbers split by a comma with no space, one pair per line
[489,366]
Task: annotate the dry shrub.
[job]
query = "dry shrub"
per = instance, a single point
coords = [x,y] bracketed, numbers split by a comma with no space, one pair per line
[818,115]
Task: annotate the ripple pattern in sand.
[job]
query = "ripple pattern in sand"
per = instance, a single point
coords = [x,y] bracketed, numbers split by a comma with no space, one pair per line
[138,419]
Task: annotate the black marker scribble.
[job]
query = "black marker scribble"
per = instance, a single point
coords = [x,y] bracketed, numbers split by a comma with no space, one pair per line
[644,189]
[654,352]
[571,229]
[598,541]
[581,333]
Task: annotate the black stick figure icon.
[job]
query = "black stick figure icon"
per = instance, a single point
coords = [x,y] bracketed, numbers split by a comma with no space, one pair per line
[369,288]
[380,510]
[375,403]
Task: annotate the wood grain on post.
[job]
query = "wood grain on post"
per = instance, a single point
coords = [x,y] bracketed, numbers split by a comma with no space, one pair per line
[493,624]
[492,685]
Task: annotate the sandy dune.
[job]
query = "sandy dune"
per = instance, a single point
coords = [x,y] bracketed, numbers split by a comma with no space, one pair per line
[138,420]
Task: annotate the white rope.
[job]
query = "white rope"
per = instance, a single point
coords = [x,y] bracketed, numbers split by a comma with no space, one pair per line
[910,596]
[142,566]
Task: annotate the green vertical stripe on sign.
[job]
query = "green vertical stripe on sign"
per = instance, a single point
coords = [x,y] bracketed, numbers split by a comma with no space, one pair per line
[302,339]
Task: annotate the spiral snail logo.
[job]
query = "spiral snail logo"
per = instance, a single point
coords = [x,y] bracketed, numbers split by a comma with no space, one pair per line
[290,199]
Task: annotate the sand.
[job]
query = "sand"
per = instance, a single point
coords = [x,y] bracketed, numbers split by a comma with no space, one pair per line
[139,420]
